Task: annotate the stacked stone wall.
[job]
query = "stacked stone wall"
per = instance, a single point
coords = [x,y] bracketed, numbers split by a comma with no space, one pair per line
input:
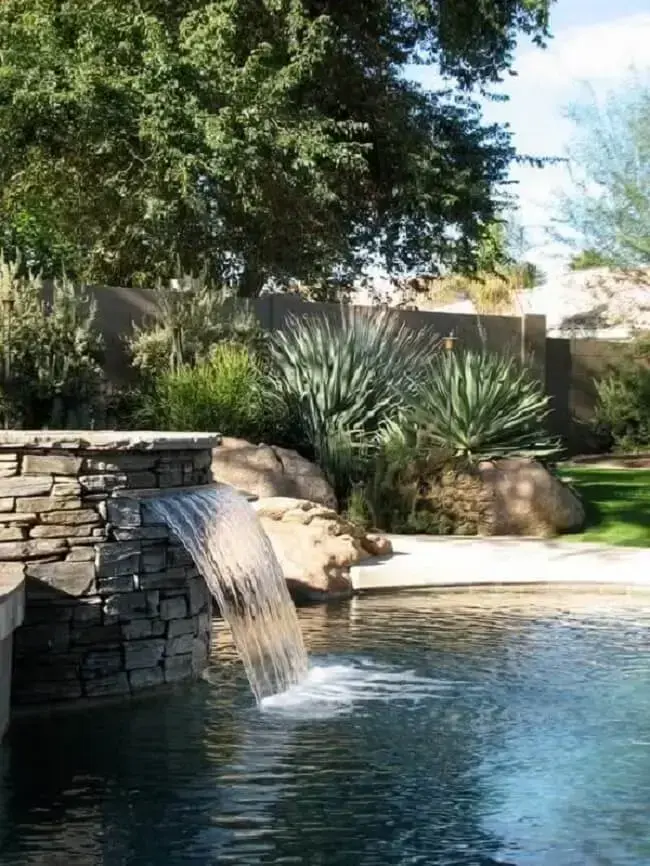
[114,604]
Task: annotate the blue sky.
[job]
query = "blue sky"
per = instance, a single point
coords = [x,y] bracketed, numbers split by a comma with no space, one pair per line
[595,42]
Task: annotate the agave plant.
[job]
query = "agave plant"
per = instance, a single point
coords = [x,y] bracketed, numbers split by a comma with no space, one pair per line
[347,378]
[480,405]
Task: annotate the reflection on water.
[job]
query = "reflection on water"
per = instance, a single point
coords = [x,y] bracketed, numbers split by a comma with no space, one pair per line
[461,729]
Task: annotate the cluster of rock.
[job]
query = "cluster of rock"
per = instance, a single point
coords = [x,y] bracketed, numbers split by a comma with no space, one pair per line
[526,499]
[316,547]
[502,497]
[113,603]
[450,501]
[268,471]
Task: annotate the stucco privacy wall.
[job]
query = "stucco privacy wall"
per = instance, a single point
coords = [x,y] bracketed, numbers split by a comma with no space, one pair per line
[119,308]
[113,604]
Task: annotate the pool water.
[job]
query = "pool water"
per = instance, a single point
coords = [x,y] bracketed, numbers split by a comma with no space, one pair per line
[460,729]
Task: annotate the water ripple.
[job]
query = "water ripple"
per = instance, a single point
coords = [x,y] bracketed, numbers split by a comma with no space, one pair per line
[457,729]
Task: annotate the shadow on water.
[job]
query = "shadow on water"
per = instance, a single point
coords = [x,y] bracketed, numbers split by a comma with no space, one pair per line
[451,729]
[167,782]
[201,776]
[113,785]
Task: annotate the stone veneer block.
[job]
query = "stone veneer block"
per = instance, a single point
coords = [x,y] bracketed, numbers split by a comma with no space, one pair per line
[70,578]
[143,653]
[146,677]
[113,603]
[38,548]
[34,485]
[124,513]
[178,668]
[42,504]
[173,608]
[70,517]
[178,627]
[55,463]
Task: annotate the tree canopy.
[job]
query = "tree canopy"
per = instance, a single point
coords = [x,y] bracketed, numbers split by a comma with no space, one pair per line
[500,274]
[608,208]
[259,140]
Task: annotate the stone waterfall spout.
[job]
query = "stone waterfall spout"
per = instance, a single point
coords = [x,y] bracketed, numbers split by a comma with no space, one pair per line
[223,535]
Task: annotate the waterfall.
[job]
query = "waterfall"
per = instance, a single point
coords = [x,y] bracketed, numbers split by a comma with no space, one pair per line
[224,537]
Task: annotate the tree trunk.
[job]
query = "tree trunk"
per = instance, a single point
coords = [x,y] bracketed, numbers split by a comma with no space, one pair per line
[251,281]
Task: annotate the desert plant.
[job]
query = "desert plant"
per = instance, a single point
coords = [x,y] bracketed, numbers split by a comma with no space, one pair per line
[226,393]
[346,379]
[623,406]
[357,509]
[480,405]
[52,351]
[191,318]
[388,487]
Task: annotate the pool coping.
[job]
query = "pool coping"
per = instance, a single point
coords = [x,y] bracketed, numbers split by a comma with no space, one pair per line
[107,440]
[434,562]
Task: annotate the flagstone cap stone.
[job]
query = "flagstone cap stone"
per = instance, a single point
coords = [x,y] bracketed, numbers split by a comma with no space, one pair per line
[107,440]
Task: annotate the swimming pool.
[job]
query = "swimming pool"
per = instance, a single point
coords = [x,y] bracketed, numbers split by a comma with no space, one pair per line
[466,728]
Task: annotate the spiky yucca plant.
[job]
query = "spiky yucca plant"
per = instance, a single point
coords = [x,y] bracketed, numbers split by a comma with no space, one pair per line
[480,405]
[346,378]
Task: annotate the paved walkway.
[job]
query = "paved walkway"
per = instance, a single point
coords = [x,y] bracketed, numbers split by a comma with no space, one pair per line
[420,561]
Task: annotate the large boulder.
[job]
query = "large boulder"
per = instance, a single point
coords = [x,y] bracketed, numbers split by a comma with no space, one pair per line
[316,547]
[526,499]
[266,471]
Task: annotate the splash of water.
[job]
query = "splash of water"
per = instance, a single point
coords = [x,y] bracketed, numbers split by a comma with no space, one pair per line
[333,688]
[224,537]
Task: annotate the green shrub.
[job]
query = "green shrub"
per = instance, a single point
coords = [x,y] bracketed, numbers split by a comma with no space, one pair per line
[358,508]
[191,319]
[411,490]
[53,350]
[389,487]
[381,496]
[623,407]
[479,405]
[345,380]
[226,393]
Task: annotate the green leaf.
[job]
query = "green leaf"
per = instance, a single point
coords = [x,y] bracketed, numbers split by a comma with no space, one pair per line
[480,405]
[265,141]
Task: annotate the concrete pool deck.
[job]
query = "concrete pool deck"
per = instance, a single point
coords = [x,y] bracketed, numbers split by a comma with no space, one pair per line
[426,561]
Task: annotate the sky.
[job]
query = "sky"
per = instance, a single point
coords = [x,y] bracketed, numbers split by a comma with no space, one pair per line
[595,43]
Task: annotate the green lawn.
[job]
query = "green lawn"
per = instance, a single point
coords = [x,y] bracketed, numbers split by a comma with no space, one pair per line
[617,504]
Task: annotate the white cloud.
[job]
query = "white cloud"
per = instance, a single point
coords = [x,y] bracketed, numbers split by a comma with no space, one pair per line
[599,55]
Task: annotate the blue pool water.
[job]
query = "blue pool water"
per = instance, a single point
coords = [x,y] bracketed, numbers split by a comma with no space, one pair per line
[464,729]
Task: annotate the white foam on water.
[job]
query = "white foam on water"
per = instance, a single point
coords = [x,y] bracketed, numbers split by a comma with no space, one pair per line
[332,689]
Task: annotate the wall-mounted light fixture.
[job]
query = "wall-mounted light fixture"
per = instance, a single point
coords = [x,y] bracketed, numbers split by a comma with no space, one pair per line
[450,341]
